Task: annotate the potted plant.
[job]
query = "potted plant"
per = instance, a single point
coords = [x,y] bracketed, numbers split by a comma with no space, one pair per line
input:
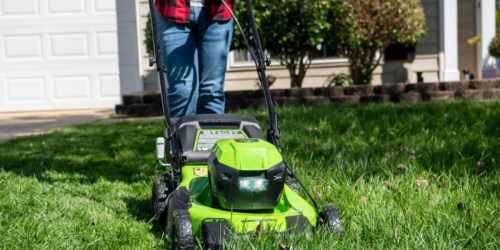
[494,49]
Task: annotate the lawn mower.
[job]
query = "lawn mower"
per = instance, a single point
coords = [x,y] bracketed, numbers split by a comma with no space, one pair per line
[224,177]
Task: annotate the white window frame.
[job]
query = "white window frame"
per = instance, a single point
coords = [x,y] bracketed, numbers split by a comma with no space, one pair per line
[239,64]
[245,64]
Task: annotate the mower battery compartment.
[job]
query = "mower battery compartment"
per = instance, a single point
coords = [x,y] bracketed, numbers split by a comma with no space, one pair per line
[188,130]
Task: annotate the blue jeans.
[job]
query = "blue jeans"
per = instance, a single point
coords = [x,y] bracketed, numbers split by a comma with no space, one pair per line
[195,55]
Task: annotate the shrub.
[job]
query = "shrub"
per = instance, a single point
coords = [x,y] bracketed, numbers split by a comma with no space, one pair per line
[148,37]
[494,47]
[340,79]
[292,31]
[361,30]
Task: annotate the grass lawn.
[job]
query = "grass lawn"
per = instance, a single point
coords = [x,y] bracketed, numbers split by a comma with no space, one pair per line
[403,176]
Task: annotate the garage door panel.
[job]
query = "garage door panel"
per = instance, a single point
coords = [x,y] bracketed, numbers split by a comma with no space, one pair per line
[104,6]
[71,87]
[12,7]
[109,86]
[22,47]
[66,7]
[106,43]
[25,89]
[68,45]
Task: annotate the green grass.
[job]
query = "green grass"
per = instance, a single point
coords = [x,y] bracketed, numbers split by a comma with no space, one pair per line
[403,176]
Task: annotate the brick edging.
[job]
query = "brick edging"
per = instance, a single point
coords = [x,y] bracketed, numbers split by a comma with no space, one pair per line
[149,103]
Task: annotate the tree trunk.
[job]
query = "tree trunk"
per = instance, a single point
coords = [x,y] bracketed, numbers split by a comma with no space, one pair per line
[301,65]
[360,74]
[295,81]
[361,65]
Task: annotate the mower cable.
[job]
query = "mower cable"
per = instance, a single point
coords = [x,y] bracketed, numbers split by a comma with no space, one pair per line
[303,187]
[247,44]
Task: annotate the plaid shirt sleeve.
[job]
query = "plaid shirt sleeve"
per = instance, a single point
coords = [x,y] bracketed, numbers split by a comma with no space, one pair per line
[179,10]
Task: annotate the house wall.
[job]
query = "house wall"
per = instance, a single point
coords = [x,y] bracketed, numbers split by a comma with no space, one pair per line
[241,76]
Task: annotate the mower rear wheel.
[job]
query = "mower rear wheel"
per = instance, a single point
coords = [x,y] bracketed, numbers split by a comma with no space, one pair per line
[181,232]
[162,187]
[331,219]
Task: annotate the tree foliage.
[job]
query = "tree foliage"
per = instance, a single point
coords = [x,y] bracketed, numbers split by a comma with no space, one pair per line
[292,31]
[361,30]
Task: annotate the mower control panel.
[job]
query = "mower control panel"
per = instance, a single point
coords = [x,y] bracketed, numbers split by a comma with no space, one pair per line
[206,138]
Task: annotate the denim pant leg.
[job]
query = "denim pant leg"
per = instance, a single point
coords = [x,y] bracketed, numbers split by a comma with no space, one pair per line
[180,57]
[213,48]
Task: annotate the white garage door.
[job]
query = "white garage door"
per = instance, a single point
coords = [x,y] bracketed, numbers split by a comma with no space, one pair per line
[58,54]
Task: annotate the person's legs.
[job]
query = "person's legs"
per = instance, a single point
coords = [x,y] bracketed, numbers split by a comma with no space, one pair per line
[180,57]
[214,39]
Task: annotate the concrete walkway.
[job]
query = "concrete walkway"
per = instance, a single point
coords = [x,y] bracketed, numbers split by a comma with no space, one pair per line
[19,124]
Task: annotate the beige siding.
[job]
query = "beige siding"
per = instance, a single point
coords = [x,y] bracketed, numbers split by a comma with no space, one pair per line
[244,77]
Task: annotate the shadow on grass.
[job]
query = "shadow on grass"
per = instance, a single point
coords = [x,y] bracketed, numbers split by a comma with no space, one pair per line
[119,152]
[356,140]
[436,137]
[84,155]
[141,210]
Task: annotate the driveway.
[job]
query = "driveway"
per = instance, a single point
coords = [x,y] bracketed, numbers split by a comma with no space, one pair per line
[14,125]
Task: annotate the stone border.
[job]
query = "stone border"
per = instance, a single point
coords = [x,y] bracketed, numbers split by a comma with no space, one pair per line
[149,103]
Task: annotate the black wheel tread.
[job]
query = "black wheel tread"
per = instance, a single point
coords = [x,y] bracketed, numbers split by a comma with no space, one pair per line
[183,232]
[332,219]
[160,192]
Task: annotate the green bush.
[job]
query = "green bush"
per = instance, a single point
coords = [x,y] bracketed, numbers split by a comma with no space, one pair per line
[361,30]
[340,79]
[291,31]
[494,47]
[148,37]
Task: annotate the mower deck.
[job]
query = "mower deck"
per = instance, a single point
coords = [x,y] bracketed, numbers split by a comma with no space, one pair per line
[291,213]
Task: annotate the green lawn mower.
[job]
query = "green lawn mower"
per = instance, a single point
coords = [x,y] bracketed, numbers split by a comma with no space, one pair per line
[227,178]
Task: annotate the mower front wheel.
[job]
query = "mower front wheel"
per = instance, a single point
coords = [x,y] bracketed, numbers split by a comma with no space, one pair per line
[330,217]
[181,232]
[162,187]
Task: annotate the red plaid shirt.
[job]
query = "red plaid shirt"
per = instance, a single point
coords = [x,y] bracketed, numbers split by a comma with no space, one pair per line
[179,10]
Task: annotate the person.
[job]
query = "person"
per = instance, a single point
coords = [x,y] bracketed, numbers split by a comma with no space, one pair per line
[195,36]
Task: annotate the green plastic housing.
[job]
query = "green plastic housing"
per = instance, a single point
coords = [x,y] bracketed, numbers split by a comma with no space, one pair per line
[246,174]
[289,206]
[289,212]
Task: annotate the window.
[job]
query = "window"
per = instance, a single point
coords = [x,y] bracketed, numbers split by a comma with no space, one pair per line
[326,52]
[399,51]
[243,57]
